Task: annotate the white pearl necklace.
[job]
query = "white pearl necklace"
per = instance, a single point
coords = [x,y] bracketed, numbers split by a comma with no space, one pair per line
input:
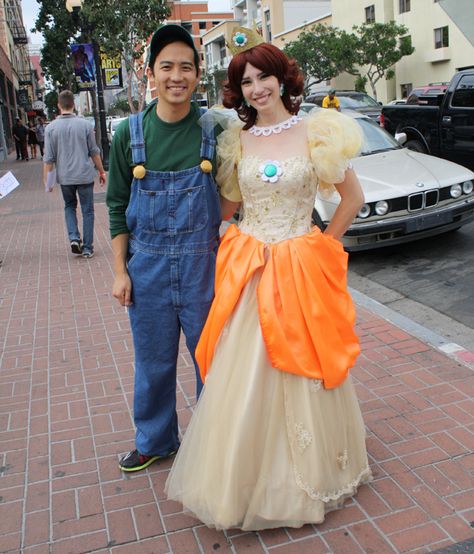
[278,128]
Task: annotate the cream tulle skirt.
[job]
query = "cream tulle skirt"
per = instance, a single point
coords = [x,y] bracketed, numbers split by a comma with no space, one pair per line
[265,448]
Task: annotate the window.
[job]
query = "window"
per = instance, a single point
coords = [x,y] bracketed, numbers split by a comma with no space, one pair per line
[463,96]
[441,36]
[404,6]
[405,89]
[202,25]
[370,14]
[222,50]
[268,26]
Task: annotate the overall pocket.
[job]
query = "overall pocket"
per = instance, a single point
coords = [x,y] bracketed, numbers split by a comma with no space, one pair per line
[173,211]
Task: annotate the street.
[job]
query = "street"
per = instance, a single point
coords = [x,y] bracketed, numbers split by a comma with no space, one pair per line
[430,281]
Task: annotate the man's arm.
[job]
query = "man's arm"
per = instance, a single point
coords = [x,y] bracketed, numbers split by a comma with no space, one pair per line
[100,168]
[122,287]
[47,167]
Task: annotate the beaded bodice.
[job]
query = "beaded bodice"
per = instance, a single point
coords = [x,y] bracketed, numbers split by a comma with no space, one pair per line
[275,211]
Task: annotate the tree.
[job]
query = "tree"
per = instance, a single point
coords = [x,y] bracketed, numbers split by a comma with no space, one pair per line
[51,102]
[57,27]
[119,26]
[124,26]
[323,53]
[380,46]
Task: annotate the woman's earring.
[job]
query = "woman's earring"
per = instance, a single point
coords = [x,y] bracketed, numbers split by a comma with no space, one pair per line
[245,103]
[282,89]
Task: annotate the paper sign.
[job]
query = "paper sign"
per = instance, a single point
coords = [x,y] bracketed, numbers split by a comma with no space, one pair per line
[7,183]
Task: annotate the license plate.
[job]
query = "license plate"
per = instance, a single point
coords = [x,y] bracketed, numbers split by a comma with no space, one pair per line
[427,221]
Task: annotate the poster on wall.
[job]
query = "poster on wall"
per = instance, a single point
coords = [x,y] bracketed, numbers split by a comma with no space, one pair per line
[111,71]
[84,68]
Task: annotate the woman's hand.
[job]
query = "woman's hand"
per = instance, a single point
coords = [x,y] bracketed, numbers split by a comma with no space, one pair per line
[352,198]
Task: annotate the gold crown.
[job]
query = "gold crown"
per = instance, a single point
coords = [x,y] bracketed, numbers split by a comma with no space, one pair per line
[243,39]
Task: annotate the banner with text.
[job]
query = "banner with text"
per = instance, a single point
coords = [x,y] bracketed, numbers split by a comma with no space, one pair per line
[111,71]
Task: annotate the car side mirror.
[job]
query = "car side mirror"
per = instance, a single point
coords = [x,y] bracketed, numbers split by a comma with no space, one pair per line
[381,103]
[401,138]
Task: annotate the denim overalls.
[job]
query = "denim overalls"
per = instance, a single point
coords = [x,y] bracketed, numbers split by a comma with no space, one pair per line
[173,218]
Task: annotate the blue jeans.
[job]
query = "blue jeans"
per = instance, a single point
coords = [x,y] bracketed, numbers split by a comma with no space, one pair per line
[170,294]
[86,197]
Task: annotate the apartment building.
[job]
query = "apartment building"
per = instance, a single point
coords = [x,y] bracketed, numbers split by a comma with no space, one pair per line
[441,31]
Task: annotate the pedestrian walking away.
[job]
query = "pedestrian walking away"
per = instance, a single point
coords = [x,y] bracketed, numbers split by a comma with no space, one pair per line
[40,129]
[71,147]
[32,140]
[164,221]
[277,438]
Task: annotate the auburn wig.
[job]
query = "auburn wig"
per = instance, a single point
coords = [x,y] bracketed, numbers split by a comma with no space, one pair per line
[271,60]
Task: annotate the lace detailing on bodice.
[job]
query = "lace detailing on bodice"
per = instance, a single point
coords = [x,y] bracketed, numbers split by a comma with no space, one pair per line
[273,212]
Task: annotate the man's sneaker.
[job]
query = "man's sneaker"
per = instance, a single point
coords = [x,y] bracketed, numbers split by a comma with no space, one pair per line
[76,247]
[87,254]
[134,461]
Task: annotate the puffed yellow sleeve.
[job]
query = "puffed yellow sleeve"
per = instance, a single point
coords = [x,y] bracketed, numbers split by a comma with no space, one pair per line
[334,139]
[228,156]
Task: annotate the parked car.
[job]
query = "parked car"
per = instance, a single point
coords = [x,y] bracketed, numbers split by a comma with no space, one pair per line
[408,195]
[433,89]
[307,107]
[112,126]
[351,100]
[444,127]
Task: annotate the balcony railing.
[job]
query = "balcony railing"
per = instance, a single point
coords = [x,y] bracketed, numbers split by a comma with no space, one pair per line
[18,32]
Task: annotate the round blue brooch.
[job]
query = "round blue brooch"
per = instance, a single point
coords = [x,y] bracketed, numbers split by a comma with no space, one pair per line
[270,171]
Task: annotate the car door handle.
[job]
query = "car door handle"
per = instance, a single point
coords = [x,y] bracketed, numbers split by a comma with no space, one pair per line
[447,120]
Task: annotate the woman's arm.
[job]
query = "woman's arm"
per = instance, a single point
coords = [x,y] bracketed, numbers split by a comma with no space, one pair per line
[228,208]
[352,199]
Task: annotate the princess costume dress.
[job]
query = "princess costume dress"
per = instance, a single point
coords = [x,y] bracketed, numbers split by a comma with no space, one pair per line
[277,438]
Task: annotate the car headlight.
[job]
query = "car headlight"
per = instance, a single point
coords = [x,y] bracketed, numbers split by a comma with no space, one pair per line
[467,187]
[455,191]
[364,211]
[381,208]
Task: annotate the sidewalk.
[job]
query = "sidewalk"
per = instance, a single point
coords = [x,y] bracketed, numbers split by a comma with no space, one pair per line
[66,381]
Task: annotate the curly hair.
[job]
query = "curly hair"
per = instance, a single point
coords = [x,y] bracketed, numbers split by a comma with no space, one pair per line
[273,61]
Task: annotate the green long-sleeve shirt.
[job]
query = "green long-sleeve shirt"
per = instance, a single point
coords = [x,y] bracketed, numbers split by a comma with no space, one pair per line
[168,147]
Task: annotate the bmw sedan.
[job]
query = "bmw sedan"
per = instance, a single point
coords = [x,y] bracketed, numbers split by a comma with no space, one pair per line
[408,195]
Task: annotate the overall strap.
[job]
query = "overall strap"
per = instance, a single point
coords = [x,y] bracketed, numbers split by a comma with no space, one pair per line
[137,142]
[208,142]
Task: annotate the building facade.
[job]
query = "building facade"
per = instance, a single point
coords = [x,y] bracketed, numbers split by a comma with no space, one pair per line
[441,31]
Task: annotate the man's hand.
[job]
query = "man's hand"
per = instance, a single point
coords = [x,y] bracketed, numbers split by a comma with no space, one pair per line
[102,179]
[122,289]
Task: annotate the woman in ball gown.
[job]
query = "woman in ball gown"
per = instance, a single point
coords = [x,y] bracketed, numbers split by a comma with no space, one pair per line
[277,437]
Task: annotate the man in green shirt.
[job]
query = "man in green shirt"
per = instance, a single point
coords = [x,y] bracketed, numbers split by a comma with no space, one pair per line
[164,220]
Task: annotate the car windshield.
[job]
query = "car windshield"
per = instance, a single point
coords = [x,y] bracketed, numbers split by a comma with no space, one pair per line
[376,139]
[357,102]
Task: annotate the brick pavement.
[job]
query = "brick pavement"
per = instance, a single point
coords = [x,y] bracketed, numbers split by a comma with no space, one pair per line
[65,416]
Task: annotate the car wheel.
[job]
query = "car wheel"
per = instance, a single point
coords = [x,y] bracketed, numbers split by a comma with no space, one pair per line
[317,220]
[416,146]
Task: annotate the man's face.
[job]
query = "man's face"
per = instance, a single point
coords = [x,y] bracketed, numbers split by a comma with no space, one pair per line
[174,74]
[331,95]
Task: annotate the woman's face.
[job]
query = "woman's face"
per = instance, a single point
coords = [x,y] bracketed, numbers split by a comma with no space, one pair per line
[261,90]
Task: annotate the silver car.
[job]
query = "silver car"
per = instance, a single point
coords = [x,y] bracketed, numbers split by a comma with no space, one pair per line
[408,195]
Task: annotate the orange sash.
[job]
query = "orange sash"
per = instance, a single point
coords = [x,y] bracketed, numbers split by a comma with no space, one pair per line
[306,313]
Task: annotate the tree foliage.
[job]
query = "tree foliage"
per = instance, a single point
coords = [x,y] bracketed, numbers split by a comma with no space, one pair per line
[51,101]
[323,52]
[117,26]
[380,46]
[369,52]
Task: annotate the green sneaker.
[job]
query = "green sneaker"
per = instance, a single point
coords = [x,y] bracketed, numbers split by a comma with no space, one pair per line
[134,461]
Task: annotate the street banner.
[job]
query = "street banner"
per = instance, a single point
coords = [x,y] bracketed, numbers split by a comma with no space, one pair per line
[84,67]
[111,71]
[7,183]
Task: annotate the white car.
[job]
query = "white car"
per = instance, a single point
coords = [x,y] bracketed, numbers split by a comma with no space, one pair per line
[112,126]
[408,195]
